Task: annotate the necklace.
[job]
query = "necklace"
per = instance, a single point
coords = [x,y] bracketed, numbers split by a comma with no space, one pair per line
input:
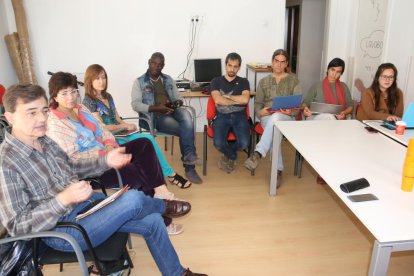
[152,80]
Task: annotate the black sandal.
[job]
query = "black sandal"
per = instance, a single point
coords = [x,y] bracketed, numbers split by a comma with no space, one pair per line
[180,181]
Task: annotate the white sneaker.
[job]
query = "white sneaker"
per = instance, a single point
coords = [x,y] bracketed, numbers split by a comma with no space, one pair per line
[175,229]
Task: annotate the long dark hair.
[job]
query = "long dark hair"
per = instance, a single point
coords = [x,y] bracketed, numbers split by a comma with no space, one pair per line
[392,95]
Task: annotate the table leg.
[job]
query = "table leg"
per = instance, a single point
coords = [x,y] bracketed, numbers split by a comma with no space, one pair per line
[380,258]
[275,154]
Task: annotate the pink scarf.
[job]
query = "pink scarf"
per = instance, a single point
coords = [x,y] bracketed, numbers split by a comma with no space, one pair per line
[328,95]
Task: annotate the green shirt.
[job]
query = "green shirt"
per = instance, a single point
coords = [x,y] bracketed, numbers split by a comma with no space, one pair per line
[160,95]
[268,88]
[315,94]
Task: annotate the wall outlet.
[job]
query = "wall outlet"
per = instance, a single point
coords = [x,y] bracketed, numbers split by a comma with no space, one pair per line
[197,18]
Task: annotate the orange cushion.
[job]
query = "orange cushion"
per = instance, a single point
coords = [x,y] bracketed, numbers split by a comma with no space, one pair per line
[258,128]
[2,91]
[211,109]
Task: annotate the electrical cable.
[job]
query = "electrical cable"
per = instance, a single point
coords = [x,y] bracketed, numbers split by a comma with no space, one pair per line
[193,36]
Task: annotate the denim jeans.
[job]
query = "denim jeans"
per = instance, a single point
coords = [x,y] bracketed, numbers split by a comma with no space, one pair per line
[133,212]
[266,140]
[166,168]
[179,123]
[237,123]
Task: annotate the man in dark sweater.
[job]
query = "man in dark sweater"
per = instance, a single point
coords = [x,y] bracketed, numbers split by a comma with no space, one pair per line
[231,95]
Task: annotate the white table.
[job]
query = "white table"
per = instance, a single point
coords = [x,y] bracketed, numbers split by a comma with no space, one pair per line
[408,133]
[342,151]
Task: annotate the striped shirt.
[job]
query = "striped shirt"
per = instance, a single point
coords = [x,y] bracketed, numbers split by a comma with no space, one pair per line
[30,181]
[79,140]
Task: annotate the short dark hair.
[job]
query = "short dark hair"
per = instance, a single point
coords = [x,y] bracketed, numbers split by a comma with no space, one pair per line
[57,82]
[158,55]
[336,62]
[27,93]
[280,52]
[234,56]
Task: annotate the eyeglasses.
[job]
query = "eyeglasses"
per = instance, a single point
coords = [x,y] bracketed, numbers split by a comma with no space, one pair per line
[71,93]
[389,78]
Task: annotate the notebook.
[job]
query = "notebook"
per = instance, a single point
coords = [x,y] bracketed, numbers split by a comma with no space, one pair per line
[286,102]
[102,203]
[317,108]
[408,118]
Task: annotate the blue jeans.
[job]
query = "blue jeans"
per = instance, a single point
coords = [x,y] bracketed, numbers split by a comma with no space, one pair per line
[179,123]
[166,168]
[237,123]
[133,212]
[266,140]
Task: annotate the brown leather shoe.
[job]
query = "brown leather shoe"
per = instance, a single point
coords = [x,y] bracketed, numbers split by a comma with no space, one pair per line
[176,208]
[188,272]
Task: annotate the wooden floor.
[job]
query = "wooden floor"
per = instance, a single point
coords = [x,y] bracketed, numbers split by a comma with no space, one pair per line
[235,228]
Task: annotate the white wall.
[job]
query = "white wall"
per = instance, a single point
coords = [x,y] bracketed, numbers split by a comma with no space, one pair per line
[340,34]
[7,73]
[121,35]
[340,39]
[399,47]
[311,35]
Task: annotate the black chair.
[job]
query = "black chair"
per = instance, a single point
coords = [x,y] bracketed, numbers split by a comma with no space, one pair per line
[112,250]
[48,234]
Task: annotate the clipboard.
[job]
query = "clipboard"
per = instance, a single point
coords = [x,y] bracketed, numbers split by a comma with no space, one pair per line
[124,133]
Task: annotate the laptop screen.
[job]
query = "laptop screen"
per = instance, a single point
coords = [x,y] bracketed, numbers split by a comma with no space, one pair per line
[408,116]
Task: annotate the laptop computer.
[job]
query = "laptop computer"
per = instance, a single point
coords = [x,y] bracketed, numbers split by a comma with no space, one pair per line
[317,108]
[286,102]
[408,118]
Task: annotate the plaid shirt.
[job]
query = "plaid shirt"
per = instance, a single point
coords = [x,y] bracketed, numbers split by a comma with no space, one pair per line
[30,181]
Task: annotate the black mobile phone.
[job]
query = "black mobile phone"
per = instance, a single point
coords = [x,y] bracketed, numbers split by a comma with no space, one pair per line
[362,197]
[371,129]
